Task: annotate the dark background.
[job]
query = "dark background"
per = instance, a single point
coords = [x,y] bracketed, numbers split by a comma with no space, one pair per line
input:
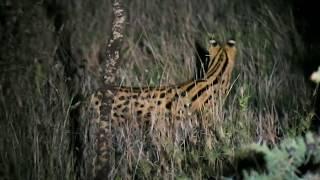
[307,22]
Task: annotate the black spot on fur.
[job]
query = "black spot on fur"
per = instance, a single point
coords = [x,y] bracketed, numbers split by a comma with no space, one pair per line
[190,87]
[162,95]
[126,102]
[126,109]
[168,105]
[169,91]
[148,114]
[207,101]
[118,106]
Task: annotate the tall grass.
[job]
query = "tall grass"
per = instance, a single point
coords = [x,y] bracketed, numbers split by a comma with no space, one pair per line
[50,63]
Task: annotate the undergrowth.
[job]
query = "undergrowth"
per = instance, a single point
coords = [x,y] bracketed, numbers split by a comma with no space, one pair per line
[293,158]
